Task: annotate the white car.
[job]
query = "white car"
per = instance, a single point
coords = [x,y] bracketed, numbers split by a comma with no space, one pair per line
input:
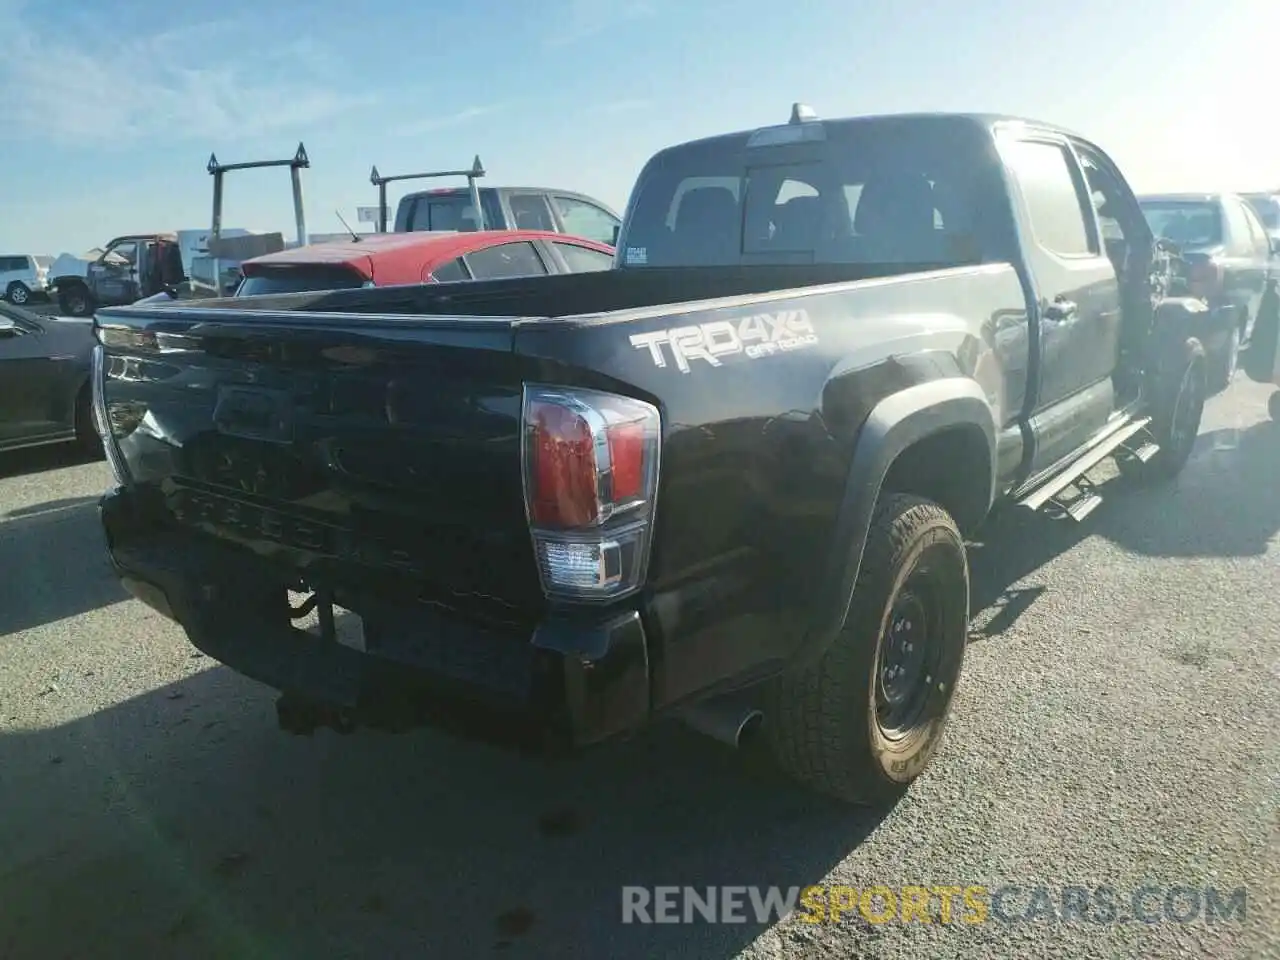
[22,275]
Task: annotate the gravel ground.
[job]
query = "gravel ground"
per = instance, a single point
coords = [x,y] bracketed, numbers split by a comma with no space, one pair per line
[1117,725]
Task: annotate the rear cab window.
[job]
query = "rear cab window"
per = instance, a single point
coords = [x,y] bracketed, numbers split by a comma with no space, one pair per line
[449,208]
[284,278]
[879,190]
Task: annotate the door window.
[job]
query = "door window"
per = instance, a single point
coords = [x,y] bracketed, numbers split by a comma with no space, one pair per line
[450,272]
[530,212]
[583,259]
[1120,220]
[587,220]
[1046,174]
[122,254]
[1239,241]
[1257,236]
[506,260]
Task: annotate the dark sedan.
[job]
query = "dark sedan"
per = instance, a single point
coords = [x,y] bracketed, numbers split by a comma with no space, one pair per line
[1230,263]
[45,395]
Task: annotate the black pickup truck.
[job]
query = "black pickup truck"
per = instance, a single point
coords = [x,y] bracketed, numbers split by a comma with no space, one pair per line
[729,481]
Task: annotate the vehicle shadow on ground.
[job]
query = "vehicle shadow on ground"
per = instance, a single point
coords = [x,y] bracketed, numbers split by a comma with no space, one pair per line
[1226,503]
[182,823]
[55,456]
[53,564]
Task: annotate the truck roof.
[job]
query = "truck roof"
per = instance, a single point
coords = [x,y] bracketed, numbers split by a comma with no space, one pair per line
[980,120]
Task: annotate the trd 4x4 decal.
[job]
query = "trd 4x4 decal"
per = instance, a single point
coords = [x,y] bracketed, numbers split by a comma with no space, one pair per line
[756,336]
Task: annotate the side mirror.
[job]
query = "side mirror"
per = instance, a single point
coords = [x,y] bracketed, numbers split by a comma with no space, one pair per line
[7,328]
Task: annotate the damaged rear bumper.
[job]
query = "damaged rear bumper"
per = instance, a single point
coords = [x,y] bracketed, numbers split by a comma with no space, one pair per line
[572,681]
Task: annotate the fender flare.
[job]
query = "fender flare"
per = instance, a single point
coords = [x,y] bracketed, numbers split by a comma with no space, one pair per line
[895,423]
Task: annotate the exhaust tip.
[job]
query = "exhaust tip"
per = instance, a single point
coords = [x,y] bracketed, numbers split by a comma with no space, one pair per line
[728,720]
[749,728]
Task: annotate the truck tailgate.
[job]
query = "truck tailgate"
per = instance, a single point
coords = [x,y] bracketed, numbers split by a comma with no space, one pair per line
[378,449]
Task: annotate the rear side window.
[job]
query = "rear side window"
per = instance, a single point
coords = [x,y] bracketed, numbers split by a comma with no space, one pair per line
[450,272]
[506,260]
[299,279]
[10,264]
[1046,176]
[530,212]
[583,259]
[872,192]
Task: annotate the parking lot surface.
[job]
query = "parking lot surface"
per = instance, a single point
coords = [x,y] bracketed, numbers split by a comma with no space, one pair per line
[1116,725]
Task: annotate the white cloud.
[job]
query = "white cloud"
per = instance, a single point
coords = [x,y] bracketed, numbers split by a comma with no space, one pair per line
[621,106]
[209,81]
[582,19]
[428,124]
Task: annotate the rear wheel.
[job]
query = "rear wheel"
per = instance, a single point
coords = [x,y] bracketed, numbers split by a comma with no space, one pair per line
[74,301]
[17,293]
[863,722]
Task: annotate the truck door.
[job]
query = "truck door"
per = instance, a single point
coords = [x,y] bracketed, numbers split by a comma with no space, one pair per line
[113,277]
[27,376]
[1075,316]
[1252,252]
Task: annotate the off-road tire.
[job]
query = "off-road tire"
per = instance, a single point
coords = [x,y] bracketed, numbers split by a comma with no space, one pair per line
[821,723]
[75,301]
[1182,379]
[17,293]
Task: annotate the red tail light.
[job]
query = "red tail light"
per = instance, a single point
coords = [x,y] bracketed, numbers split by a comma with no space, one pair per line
[590,477]
[1204,278]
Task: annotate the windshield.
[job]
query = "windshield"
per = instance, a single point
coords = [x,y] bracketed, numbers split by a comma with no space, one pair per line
[1189,223]
[301,279]
[873,192]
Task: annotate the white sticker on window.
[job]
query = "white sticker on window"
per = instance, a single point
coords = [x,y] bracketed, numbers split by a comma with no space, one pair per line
[638,255]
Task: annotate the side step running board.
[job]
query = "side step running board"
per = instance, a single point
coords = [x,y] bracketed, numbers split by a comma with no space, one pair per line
[1145,452]
[1050,490]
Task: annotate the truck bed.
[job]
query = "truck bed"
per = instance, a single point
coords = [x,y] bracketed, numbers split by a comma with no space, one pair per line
[576,294]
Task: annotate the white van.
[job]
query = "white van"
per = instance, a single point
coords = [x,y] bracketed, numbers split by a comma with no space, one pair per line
[22,275]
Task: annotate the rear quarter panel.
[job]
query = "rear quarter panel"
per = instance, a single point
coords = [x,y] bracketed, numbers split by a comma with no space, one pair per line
[759,434]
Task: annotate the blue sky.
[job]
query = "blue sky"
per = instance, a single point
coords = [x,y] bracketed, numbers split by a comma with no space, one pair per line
[112,108]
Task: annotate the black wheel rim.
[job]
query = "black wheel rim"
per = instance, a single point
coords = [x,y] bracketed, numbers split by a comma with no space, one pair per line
[1186,411]
[907,666]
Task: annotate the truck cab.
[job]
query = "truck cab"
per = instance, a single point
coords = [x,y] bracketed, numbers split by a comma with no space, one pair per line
[129,268]
[509,208]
